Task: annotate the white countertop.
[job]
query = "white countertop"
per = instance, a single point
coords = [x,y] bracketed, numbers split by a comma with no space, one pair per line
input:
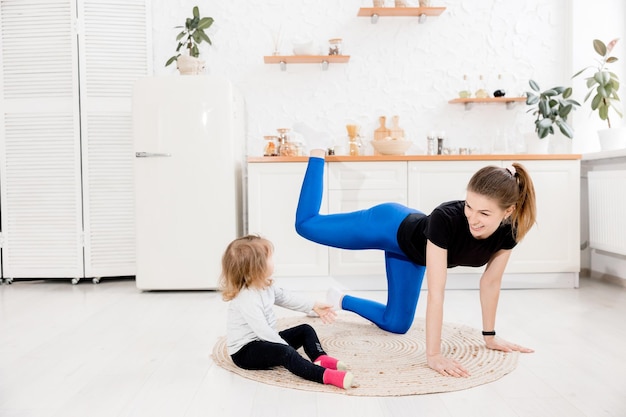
[618,153]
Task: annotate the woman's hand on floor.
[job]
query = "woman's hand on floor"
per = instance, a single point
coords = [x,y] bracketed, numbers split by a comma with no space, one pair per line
[497,343]
[446,366]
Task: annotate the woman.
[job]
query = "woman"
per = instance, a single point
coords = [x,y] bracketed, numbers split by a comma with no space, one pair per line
[498,211]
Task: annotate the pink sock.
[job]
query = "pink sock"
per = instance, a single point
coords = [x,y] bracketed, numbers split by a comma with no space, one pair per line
[329,362]
[341,379]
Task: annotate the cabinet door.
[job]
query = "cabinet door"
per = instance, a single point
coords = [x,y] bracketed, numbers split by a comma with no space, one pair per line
[433,183]
[273,192]
[356,186]
[553,244]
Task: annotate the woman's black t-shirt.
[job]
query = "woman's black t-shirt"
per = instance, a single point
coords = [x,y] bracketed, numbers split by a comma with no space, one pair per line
[447,227]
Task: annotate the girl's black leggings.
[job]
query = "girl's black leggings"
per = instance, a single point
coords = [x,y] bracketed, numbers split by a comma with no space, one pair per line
[265,355]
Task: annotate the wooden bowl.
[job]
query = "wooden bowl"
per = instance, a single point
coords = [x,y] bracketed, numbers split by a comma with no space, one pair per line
[391,146]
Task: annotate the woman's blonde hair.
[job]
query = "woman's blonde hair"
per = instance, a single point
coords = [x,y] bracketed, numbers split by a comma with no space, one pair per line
[244,262]
[511,186]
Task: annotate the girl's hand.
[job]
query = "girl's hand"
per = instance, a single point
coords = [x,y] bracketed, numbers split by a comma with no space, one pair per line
[497,343]
[325,311]
[446,366]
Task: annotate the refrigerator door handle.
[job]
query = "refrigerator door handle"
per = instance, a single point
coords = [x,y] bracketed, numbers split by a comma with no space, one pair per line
[151,154]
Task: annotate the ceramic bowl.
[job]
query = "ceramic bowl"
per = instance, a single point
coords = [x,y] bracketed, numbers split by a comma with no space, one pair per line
[305,48]
[391,146]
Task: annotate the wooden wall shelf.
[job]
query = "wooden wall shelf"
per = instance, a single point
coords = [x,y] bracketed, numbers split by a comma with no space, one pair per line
[468,102]
[325,60]
[375,12]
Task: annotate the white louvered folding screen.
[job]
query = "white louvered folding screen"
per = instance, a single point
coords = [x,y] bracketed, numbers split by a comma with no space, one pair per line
[114,55]
[54,142]
[40,141]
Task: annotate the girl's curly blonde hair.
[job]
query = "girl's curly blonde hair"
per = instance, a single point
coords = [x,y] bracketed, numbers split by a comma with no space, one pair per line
[244,262]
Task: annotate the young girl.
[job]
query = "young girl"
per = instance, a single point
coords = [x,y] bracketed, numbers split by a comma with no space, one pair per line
[498,211]
[252,339]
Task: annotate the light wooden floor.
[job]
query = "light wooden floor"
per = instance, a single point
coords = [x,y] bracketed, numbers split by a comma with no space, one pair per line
[109,350]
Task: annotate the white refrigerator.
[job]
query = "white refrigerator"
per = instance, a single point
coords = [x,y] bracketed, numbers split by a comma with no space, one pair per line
[188,134]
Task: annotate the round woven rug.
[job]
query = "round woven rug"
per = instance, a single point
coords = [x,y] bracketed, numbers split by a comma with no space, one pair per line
[386,364]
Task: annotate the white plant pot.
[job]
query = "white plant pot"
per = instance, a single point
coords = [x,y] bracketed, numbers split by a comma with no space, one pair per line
[534,145]
[612,139]
[189,65]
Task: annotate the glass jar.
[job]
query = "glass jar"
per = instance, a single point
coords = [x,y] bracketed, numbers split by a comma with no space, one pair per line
[271,146]
[335,46]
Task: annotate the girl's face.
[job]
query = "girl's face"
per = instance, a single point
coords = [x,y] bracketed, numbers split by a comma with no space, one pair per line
[484,215]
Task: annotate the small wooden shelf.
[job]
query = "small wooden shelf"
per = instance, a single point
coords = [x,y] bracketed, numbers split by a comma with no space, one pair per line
[375,12]
[325,60]
[468,102]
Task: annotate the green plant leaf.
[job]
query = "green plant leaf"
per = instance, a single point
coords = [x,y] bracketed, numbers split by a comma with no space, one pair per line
[602,91]
[580,72]
[550,93]
[196,12]
[545,123]
[544,109]
[603,111]
[566,130]
[534,85]
[596,101]
[591,81]
[564,111]
[599,47]
[568,92]
[531,99]
[205,23]
[172,59]
[204,36]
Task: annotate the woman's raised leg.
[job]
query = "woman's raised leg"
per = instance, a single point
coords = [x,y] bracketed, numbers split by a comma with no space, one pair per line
[373,228]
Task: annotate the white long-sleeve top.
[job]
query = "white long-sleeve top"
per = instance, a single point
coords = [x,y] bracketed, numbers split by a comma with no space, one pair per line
[251,315]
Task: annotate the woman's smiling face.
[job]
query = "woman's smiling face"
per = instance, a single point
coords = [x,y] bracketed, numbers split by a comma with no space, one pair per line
[484,215]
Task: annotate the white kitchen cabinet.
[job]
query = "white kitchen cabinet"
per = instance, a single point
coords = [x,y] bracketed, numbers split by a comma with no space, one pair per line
[359,185]
[548,257]
[273,192]
[553,244]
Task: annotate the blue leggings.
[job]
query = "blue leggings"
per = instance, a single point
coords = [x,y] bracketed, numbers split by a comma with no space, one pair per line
[373,228]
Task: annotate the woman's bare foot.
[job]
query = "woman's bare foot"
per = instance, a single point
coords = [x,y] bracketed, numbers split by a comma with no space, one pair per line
[318,153]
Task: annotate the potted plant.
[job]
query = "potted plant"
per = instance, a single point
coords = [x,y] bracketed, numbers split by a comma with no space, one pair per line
[191,35]
[551,108]
[603,86]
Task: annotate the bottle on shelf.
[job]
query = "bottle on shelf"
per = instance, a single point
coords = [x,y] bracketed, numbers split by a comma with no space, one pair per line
[465,91]
[354,140]
[481,91]
[501,88]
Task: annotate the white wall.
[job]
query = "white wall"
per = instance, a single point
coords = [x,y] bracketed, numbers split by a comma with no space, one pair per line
[397,66]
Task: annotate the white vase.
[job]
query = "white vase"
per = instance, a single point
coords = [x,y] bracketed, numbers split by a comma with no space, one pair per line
[189,65]
[612,139]
[534,145]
